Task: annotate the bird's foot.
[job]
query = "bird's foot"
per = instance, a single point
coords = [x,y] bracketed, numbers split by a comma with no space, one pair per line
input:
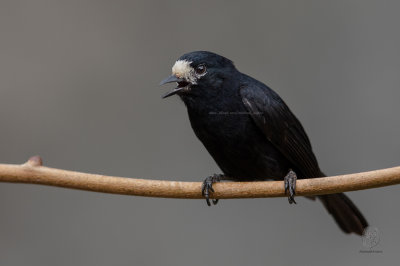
[290,185]
[207,187]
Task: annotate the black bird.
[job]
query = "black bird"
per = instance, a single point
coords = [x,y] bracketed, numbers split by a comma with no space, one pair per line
[250,131]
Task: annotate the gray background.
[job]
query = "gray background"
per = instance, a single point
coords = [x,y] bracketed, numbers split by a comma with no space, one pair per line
[79,86]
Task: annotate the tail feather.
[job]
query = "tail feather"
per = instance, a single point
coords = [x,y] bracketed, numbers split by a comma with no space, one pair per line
[345,213]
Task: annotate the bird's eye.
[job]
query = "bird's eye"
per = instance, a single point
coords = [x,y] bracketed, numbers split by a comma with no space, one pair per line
[200,69]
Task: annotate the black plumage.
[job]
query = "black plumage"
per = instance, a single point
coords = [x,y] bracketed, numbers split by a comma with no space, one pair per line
[250,131]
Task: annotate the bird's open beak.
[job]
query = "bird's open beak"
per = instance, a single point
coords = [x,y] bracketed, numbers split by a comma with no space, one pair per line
[181,85]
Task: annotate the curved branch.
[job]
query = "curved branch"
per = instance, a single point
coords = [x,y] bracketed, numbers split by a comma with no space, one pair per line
[32,172]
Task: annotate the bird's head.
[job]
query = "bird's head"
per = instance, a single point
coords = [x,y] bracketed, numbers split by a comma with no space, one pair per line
[195,71]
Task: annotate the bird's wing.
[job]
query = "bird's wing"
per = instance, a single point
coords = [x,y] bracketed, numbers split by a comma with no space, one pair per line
[280,127]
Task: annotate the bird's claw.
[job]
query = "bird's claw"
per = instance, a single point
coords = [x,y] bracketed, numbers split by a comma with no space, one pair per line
[207,187]
[290,185]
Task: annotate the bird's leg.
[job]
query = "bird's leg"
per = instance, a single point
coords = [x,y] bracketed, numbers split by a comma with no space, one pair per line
[290,185]
[207,187]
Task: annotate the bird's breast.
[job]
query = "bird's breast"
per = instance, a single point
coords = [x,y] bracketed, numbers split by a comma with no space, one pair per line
[236,144]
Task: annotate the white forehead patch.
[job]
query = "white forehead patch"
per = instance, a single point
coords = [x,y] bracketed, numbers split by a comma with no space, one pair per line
[182,69]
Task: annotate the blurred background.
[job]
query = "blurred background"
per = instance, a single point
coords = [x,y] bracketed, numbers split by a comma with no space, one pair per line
[79,86]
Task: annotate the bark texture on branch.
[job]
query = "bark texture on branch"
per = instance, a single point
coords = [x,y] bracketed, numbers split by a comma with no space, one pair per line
[32,172]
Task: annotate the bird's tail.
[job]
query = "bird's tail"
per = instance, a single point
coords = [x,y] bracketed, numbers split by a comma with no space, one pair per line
[345,213]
